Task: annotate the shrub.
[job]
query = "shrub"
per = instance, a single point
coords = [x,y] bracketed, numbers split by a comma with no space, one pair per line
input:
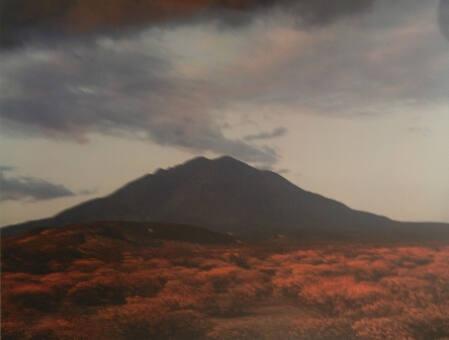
[152,319]
[36,297]
[98,292]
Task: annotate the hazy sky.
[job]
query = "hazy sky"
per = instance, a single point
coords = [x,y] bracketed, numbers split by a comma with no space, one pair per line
[346,98]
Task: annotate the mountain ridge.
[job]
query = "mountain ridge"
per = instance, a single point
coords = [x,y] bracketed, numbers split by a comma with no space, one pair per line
[228,195]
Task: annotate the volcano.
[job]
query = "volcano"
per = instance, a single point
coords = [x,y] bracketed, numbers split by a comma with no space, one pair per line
[229,196]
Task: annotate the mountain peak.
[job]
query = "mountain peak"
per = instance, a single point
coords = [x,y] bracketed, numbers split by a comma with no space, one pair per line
[221,159]
[196,160]
[226,158]
[222,162]
[230,161]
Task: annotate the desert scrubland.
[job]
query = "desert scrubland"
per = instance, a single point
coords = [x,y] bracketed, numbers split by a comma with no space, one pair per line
[99,284]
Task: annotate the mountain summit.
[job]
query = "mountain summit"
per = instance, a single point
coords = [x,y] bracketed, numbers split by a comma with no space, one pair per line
[227,195]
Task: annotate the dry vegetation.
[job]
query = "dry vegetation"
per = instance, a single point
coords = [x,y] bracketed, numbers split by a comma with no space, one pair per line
[78,285]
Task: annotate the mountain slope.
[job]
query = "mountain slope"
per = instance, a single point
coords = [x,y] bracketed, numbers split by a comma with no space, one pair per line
[227,195]
[34,251]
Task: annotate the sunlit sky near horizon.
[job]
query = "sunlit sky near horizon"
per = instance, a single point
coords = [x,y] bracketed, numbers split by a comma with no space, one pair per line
[350,102]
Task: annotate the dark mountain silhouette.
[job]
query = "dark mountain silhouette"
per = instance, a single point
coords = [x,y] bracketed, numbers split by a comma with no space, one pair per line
[227,195]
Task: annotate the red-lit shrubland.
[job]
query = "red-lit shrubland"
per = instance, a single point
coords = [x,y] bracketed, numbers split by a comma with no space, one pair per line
[179,290]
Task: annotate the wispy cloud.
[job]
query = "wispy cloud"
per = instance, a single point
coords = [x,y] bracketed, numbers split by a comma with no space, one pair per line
[14,188]
[275,133]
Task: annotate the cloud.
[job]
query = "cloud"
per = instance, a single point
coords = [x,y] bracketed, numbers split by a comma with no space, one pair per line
[114,89]
[25,20]
[5,168]
[14,188]
[173,87]
[277,132]
[388,60]
[443,17]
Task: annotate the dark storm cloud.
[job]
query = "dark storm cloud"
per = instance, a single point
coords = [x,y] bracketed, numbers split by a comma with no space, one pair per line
[24,20]
[133,86]
[71,93]
[13,188]
[275,133]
